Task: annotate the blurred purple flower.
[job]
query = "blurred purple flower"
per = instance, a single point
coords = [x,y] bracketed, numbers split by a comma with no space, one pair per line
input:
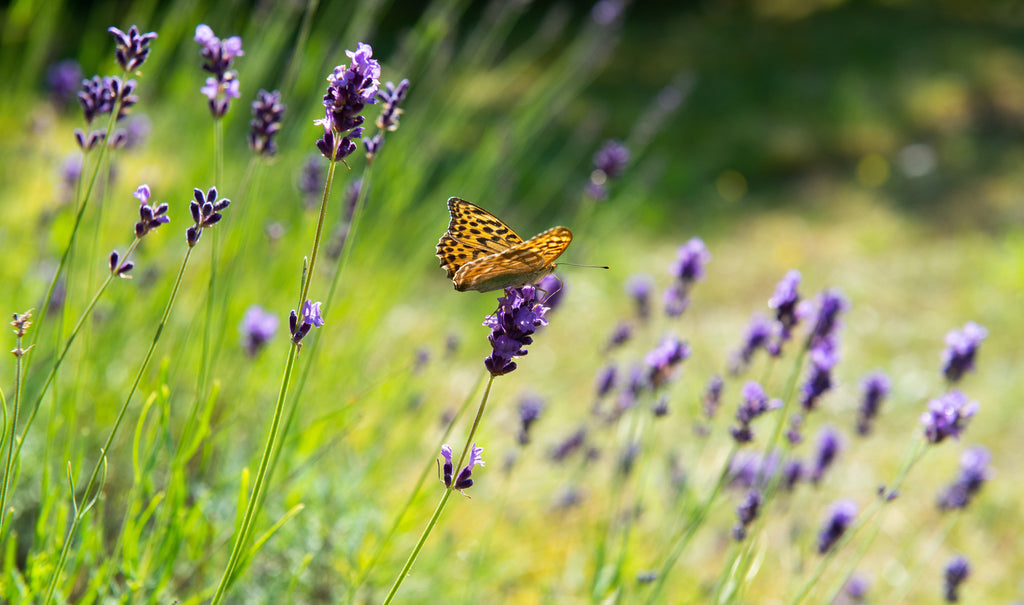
[792,473]
[974,472]
[957,570]
[662,360]
[621,335]
[612,158]
[947,416]
[823,358]
[63,80]
[639,287]
[876,387]
[572,443]
[605,380]
[856,587]
[267,111]
[530,408]
[755,402]
[747,512]
[829,445]
[311,180]
[825,311]
[961,348]
[606,12]
[750,470]
[690,261]
[518,316]
[554,290]
[784,301]
[840,516]
[713,396]
[257,328]
[758,335]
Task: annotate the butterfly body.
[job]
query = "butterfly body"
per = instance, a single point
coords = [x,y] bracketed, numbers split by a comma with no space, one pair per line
[479,252]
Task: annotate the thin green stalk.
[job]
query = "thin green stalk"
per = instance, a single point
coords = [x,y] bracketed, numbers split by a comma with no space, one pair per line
[915,455]
[292,71]
[101,463]
[365,572]
[256,496]
[18,370]
[79,212]
[444,499]
[204,364]
[691,529]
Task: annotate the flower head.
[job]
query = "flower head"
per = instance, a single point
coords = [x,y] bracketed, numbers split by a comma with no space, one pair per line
[947,416]
[823,358]
[639,288]
[150,216]
[554,290]
[713,396]
[957,571]
[876,387]
[299,326]
[961,348]
[206,212]
[63,79]
[829,445]
[350,88]
[463,481]
[132,47]
[267,111]
[518,316]
[392,96]
[611,158]
[661,361]
[759,333]
[824,311]
[784,302]
[530,408]
[755,402]
[974,472]
[840,516]
[257,328]
[690,261]
[605,380]
[218,56]
[747,512]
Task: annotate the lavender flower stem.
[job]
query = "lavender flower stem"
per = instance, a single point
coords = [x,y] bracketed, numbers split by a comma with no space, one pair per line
[263,474]
[204,360]
[916,453]
[18,367]
[691,529]
[102,461]
[83,202]
[365,572]
[921,563]
[444,499]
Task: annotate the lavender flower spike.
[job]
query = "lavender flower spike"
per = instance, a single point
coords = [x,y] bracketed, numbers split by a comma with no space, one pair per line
[267,111]
[876,387]
[257,328]
[300,326]
[747,512]
[947,416]
[132,47]
[150,216]
[784,301]
[349,89]
[840,517]
[661,361]
[755,402]
[961,348]
[518,316]
[218,57]
[957,571]
[974,473]
[206,212]
[463,481]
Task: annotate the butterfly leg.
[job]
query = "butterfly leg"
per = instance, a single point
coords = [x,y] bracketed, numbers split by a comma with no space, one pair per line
[547,294]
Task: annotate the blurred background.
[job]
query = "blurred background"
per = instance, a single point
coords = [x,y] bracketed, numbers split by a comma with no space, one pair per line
[874,146]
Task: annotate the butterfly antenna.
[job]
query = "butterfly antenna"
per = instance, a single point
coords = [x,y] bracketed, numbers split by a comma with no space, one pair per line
[586,266]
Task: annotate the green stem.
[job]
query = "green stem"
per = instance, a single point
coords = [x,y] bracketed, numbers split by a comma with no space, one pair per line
[18,368]
[259,485]
[444,499]
[101,462]
[691,529]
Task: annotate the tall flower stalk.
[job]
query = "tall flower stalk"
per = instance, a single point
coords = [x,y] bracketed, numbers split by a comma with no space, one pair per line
[350,88]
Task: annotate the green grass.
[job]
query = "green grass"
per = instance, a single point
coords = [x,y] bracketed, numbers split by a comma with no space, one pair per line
[506,110]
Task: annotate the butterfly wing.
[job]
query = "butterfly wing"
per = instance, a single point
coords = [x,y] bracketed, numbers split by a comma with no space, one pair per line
[478,228]
[454,254]
[522,264]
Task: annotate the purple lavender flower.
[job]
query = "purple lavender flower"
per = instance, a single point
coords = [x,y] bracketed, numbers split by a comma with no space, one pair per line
[784,301]
[310,318]
[530,408]
[572,443]
[826,310]
[713,396]
[463,481]
[350,89]
[947,416]
[518,316]
[840,516]
[747,512]
[63,79]
[554,289]
[662,360]
[793,434]
[606,380]
[611,158]
[957,571]
[974,473]
[122,269]
[267,111]
[206,212]
[150,216]
[99,96]
[622,333]
[755,402]
[751,470]
[606,12]
[639,288]
[392,96]
[856,588]
[218,57]
[660,408]
[759,333]
[823,358]
[257,328]
[311,179]
[876,387]
[688,269]
[829,445]
[132,47]
[961,348]
[792,473]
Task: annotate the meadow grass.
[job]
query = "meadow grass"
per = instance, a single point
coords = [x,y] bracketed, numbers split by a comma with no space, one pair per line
[151,453]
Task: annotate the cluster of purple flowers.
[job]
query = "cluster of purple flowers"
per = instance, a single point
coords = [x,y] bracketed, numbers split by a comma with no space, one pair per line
[755,402]
[530,408]
[822,344]
[132,47]
[299,326]
[957,570]
[961,348]
[841,515]
[609,162]
[947,416]
[350,88]
[687,270]
[206,212]
[518,316]
[218,57]
[100,96]
[392,96]
[974,473]
[662,360]
[464,480]
[267,111]
[257,328]
[876,387]
[150,217]
[747,512]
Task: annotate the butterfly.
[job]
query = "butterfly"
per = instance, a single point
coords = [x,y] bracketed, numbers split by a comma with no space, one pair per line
[480,252]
